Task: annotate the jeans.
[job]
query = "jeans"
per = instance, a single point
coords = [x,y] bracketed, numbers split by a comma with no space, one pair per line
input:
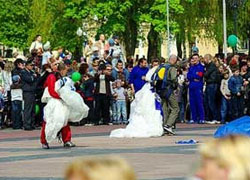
[121,111]
[210,96]
[16,114]
[114,110]
[225,109]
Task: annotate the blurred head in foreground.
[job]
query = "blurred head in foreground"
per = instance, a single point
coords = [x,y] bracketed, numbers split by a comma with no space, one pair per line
[225,159]
[100,168]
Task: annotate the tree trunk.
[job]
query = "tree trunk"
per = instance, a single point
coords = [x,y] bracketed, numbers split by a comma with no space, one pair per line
[178,44]
[130,35]
[154,44]
[220,49]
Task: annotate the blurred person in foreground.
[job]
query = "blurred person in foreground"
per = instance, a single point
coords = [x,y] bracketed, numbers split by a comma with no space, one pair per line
[100,168]
[225,159]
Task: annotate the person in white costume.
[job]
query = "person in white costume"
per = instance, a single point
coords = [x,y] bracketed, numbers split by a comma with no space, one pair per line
[146,115]
[63,105]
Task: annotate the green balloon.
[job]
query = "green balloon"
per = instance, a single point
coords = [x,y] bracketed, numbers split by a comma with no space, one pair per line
[37,109]
[76,76]
[232,40]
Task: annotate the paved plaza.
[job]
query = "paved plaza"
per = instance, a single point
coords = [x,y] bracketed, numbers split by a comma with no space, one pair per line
[21,156]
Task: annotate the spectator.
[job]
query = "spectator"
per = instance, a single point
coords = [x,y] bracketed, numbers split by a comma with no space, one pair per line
[120,94]
[211,77]
[1,108]
[37,43]
[105,168]
[103,94]
[47,54]
[116,52]
[7,81]
[87,88]
[195,77]
[16,102]
[28,78]
[121,73]
[100,46]
[235,84]
[88,51]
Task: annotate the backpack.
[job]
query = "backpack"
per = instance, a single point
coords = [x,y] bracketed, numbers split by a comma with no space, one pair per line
[164,91]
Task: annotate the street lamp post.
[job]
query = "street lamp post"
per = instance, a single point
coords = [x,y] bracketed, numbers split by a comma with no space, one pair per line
[225,28]
[168,31]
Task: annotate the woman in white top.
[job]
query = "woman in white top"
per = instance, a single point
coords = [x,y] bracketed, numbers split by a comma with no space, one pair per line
[37,43]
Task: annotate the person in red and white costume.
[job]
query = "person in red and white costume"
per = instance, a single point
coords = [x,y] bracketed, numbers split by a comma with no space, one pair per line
[58,71]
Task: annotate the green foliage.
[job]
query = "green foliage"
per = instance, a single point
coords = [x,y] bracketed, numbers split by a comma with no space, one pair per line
[14,22]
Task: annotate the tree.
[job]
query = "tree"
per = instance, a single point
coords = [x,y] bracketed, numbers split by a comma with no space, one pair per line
[14,22]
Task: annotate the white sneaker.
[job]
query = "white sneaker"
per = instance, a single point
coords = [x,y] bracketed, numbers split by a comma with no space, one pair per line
[210,122]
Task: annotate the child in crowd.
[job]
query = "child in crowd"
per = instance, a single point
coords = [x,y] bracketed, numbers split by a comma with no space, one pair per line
[235,84]
[16,101]
[226,97]
[87,88]
[120,94]
[113,103]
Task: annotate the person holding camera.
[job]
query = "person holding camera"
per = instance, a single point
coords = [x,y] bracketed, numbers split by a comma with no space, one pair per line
[103,94]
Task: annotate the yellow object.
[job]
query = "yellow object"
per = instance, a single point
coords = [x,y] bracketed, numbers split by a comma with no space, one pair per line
[161,73]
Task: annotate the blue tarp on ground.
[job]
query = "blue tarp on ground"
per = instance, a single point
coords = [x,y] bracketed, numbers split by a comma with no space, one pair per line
[239,126]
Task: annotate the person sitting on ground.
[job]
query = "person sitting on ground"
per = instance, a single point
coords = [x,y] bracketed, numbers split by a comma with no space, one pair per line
[104,168]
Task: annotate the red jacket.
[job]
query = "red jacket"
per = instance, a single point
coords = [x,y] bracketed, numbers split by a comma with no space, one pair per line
[50,83]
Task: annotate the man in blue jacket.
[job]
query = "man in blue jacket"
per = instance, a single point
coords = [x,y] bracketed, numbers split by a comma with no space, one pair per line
[137,76]
[195,77]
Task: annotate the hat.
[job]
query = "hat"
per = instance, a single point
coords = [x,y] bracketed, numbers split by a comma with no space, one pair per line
[15,78]
[46,46]
[111,42]
[67,62]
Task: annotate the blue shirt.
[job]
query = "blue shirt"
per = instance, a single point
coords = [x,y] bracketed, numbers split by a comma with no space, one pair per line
[195,75]
[135,77]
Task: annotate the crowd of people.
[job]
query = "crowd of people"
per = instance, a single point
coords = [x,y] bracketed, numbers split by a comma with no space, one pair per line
[196,90]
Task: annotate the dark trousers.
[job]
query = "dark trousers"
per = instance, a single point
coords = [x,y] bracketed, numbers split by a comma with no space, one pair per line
[90,118]
[29,110]
[16,114]
[102,108]
[237,103]
[210,102]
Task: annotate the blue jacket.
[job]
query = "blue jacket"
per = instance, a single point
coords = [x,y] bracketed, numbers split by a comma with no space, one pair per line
[135,77]
[235,83]
[195,76]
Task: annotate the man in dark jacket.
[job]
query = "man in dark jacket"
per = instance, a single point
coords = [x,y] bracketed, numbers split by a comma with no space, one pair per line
[103,94]
[211,78]
[28,78]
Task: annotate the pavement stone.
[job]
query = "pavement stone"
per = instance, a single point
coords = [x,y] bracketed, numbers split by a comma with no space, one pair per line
[21,156]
